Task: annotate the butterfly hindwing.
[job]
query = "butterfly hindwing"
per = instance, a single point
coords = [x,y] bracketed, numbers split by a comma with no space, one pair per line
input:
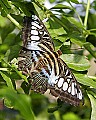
[38,82]
[66,87]
[62,84]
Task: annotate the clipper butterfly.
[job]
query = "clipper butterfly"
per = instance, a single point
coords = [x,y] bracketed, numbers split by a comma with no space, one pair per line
[44,66]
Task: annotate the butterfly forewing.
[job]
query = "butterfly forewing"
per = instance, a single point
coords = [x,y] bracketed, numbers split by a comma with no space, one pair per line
[35,33]
[46,69]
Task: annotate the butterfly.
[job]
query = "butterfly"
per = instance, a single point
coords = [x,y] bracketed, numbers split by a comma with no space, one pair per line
[44,66]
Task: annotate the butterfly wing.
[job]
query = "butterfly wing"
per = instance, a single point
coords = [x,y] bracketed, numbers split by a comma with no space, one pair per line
[66,86]
[34,35]
[61,81]
[46,69]
[38,82]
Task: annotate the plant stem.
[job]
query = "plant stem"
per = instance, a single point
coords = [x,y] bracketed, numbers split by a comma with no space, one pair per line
[87,12]
[76,13]
[14,21]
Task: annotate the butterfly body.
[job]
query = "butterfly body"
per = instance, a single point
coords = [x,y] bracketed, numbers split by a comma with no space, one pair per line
[45,67]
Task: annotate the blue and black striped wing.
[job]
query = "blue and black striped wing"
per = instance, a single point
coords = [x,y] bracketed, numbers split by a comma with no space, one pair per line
[61,81]
[34,33]
[65,86]
[45,67]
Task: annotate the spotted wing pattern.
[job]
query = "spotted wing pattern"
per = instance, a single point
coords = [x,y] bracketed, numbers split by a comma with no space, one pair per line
[45,67]
[34,33]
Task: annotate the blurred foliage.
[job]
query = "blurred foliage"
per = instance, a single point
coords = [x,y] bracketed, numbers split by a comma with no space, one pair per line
[72,25]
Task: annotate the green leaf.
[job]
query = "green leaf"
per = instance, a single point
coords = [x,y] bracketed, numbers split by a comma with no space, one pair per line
[74,1]
[19,73]
[90,48]
[74,30]
[55,27]
[12,53]
[77,39]
[3,22]
[51,1]
[61,6]
[93,105]
[9,27]
[75,22]
[85,80]
[71,115]
[20,102]
[7,79]
[39,9]
[13,67]
[66,48]
[3,13]
[6,3]
[76,62]
[61,38]
[25,7]
[57,31]
[10,39]
[92,77]
[57,44]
